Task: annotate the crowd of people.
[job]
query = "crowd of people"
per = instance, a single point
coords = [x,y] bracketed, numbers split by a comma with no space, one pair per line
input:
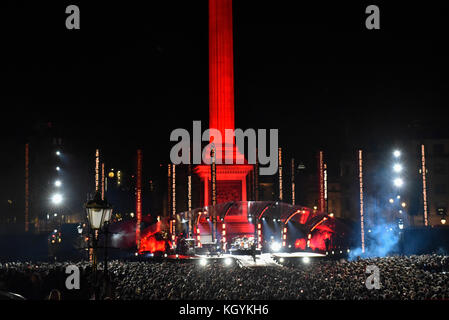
[39,281]
[401,277]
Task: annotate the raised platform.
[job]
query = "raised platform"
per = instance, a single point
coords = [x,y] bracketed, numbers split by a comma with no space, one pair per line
[298,255]
[247,261]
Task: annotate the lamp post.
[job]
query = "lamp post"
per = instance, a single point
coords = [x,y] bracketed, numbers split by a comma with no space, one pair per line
[98,213]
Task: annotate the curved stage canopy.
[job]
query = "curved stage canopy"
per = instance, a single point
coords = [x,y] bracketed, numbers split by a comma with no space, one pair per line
[295,227]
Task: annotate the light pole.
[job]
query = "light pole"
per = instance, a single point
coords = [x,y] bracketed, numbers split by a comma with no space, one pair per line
[98,213]
[398,182]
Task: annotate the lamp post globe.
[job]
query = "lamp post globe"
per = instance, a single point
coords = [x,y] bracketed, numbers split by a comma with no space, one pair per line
[98,211]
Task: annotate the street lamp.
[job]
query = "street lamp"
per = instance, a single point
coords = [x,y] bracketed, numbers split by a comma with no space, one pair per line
[398,182]
[99,213]
[56,198]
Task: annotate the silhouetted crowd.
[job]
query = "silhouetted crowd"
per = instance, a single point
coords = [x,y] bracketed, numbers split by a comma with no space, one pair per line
[39,281]
[411,277]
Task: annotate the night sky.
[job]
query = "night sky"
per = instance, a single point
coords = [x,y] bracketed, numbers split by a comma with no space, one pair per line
[134,73]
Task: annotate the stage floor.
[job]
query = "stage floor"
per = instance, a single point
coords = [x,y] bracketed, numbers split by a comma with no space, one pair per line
[298,255]
[264,259]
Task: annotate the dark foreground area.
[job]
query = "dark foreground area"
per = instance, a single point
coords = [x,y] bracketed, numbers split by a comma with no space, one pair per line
[401,277]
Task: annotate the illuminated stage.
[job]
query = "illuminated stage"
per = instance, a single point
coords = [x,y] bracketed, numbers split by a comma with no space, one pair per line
[247,261]
[272,226]
[298,255]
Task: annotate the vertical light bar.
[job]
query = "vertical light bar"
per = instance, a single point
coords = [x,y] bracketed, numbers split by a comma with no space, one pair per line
[119,178]
[424,184]
[97,170]
[189,190]
[169,191]
[213,171]
[173,231]
[325,187]
[214,177]
[198,233]
[293,182]
[284,235]
[259,234]
[102,181]
[189,198]
[256,178]
[138,196]
[362,226]
[321,205]
[173,191]
[173,214]
[27,185]
[280,173]
[223,235]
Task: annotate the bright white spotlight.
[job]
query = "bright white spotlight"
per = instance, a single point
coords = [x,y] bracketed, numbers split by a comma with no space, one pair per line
[391,200]
[281,260]
[58,183]
[58,168]
[228,261]
[275,246]
[306,260]
[403,204]
[397,167]
[397,153]
[398,182]
[56,198]
[58,153]
[203,262]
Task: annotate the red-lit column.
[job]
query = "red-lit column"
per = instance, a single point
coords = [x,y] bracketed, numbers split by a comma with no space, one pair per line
[221,107]
[221,66]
